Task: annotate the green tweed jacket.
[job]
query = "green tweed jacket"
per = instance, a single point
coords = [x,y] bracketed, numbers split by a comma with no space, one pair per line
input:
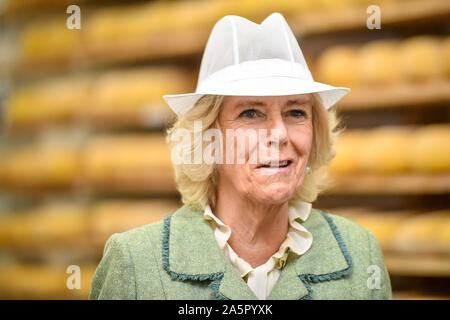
[179,258]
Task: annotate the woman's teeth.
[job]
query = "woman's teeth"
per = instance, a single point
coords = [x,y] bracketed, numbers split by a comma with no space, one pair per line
[277,164]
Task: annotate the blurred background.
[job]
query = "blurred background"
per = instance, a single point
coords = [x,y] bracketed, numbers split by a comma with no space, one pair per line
[82,151]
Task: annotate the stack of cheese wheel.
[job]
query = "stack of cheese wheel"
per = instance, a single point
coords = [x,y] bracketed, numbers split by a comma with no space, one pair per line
[424,233]
[43,281]
[377,63]
[422,58]
[386,150]
[49,40]
[142,165]
[49,226]
[192,15]
[134,97]
[37,166]
[384,62]
[390,150]
[383,224]
[337,66]
[57,224]
[348,149]
[406,231]
[131,97]
[430,151]
[111,216]
[54,101]
[118,26]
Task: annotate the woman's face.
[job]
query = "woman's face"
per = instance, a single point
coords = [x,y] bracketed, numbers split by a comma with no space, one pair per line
[269,178]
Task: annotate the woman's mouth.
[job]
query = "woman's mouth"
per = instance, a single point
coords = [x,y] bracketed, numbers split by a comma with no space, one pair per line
[270,168]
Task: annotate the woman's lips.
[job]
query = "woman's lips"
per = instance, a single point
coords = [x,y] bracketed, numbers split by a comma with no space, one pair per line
[275,168]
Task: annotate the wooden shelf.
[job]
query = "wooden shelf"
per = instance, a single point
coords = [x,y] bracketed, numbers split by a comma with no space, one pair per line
[408,183]
[397,95]
[157,184]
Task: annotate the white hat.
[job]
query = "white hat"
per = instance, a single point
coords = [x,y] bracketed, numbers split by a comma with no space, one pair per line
[243,58]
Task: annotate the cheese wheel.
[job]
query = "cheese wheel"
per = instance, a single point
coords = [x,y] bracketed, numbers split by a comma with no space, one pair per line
[57,224]
[144,20]
[35,166]
[386,150]
[348,148]
[111,216]
[49,40]
[338,66]
[48,226]
[377,63]
[20,171]
[137,88]
[419,233]
[117,25]
[136,94]
[442,235]
[31,281]
[188,15]
[101,27]
[144,162]
[430,148]
[42,281]
[52,101]
[383,224]
[421,58]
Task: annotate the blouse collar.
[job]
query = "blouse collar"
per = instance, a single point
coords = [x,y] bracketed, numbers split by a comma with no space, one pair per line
[298,238]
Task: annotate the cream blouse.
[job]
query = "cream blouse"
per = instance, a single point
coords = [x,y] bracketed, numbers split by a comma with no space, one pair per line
[262,279]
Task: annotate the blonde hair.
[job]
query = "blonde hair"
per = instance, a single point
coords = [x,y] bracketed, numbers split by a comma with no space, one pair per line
[197,182]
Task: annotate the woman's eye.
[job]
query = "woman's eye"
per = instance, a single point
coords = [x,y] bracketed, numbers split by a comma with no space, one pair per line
[297,113]
[250,113]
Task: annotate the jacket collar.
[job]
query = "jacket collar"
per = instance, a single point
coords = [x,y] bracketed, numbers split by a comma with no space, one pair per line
[191,253]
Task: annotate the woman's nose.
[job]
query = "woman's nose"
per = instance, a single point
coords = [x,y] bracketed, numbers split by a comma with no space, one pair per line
[277,130]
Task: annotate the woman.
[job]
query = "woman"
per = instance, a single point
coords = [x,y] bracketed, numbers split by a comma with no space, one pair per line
[247,229]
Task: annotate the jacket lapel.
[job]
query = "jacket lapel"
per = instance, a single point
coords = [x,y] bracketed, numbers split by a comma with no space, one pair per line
[191,253]
[326,260]
[289,286]
[233,287]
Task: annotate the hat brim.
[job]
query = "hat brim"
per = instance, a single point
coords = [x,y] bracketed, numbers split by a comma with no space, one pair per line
[269,86]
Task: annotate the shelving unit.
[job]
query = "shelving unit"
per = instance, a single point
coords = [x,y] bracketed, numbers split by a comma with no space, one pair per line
[320,26]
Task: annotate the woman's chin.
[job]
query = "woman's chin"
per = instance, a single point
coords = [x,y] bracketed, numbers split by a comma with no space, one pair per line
[274,195]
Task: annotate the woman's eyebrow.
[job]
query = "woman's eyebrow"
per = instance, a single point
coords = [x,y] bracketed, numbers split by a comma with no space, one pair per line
[297,102]
[253,103]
